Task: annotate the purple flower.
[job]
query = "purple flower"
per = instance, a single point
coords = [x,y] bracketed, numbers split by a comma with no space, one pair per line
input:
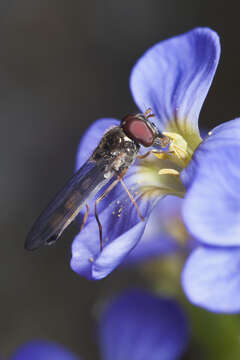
[136,325]
[139,326]
[173,78]
[211,212]
[42,350]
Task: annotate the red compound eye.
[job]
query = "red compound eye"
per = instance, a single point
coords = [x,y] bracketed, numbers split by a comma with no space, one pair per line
[137,129]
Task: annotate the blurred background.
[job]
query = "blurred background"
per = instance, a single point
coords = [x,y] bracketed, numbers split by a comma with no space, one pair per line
[64,64]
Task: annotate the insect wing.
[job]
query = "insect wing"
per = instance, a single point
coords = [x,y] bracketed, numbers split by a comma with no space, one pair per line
[63,209]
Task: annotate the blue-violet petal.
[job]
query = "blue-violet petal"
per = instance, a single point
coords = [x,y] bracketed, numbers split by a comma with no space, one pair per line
[211,279]
[173,78]
[140,326]
[211,209]
[42,350]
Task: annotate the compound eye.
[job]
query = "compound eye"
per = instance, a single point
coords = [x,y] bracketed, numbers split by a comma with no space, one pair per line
[138,130]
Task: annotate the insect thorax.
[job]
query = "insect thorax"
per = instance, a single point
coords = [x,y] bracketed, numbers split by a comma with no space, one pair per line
[116,150]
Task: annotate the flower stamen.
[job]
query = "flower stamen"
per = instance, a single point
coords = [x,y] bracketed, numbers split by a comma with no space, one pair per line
[178,145]
[169,172]
[161,154]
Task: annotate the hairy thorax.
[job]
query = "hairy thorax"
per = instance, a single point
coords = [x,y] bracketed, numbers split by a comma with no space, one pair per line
[116,151]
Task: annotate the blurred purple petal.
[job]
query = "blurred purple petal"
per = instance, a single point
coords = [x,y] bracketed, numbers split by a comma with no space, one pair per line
[152,248]
[211,279]
[43,350]
[173,78]
[140,326]
[157,240]
[211,209]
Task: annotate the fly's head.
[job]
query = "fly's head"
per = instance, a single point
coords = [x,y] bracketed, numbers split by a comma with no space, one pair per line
[144,132]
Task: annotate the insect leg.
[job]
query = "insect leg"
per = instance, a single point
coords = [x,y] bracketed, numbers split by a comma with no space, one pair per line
[85,217]
[131,198]
[144,155]
[148,113]
[158,152]
[100,198]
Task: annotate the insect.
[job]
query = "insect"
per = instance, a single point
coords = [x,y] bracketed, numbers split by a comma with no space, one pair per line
[117,150]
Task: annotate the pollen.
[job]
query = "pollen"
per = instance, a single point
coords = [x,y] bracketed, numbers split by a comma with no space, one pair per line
[91,259]
[168,172]
[160,154]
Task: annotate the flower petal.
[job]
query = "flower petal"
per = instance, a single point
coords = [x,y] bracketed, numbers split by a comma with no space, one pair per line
[211,209]
[173,78]
[122,229]
[139,326]
[158,239]
[211,279]
[43,350]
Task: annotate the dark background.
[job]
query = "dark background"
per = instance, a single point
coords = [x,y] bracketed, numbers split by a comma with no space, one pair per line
[64,64]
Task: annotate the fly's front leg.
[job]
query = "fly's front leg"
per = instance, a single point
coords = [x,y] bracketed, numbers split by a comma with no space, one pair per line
[100,198]
[144,155]
[154,152]
[148,113]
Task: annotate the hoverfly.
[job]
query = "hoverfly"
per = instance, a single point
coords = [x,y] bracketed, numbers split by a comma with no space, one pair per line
[117,150]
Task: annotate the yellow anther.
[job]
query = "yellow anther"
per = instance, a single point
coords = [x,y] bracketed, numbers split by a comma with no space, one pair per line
[160,154]
[168,172]
[178,145]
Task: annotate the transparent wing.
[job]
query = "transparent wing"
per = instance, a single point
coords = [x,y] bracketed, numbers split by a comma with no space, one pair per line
[63,209]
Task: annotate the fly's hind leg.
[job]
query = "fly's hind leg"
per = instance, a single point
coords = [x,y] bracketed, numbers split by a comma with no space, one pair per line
[85,217]
[157,153]
[100,198]
[131,197]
